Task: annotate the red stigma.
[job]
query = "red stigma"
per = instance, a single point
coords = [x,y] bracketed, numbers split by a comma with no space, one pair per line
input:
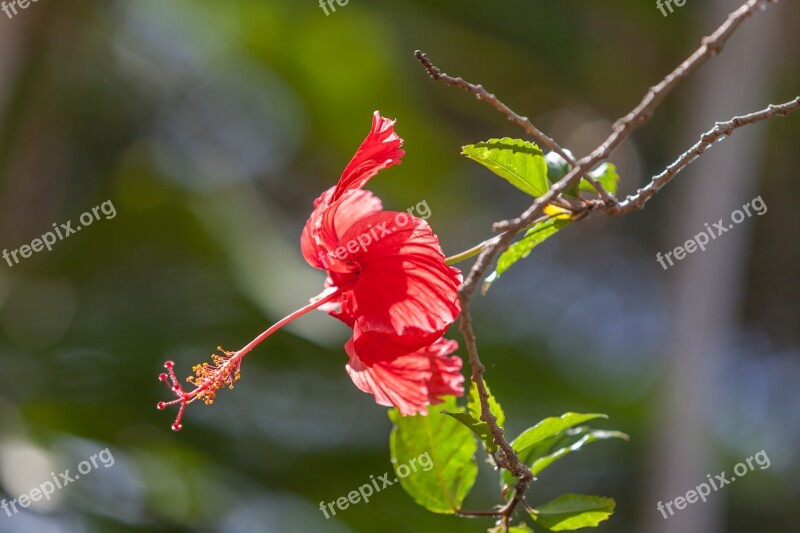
[208,378]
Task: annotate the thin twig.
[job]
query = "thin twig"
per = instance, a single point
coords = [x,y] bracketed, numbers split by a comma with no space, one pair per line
[721,130]
[524,122]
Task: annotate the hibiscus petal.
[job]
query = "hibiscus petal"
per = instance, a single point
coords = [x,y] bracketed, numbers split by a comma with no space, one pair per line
[446,378]
[326,221]
[338,207]
[407,296]
[352,207]
[410,382]
[380,150]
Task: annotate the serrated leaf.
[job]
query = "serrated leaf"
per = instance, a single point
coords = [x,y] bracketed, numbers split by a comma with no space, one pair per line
[573,511]
[550,427]
[451,449]
[592,436]
[606,174]
[523,248]
[472,418]
[519,162]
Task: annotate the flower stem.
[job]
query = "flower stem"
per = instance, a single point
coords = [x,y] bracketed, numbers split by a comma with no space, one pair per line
[224,371]
[466,254]
[278,325]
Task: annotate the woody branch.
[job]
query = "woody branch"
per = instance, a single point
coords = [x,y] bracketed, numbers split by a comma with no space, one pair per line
[621,130]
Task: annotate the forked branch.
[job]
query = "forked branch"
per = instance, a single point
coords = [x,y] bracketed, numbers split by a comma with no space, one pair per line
[620,131]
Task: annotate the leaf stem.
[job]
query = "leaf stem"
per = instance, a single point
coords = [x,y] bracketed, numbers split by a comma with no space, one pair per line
[478,248]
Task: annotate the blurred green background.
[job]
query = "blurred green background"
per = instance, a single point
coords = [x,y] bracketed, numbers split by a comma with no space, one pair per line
[212,126]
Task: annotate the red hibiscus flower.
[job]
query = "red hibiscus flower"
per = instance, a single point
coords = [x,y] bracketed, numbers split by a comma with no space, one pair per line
[398,294]
[387,279]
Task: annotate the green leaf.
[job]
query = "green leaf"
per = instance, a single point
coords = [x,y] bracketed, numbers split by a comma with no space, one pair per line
[533,238]
[541,449]
[592,436]
[472,418]
[474,404]
[573,511]
[451,449]
[553,447]
[550,427]
[522,248]
[477,426]
[520,162]
[606,174]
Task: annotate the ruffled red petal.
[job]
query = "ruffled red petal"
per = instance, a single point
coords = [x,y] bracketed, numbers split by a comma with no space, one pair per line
[380,150]
[410,382]
[407,296]
[338,207]
[319,239]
